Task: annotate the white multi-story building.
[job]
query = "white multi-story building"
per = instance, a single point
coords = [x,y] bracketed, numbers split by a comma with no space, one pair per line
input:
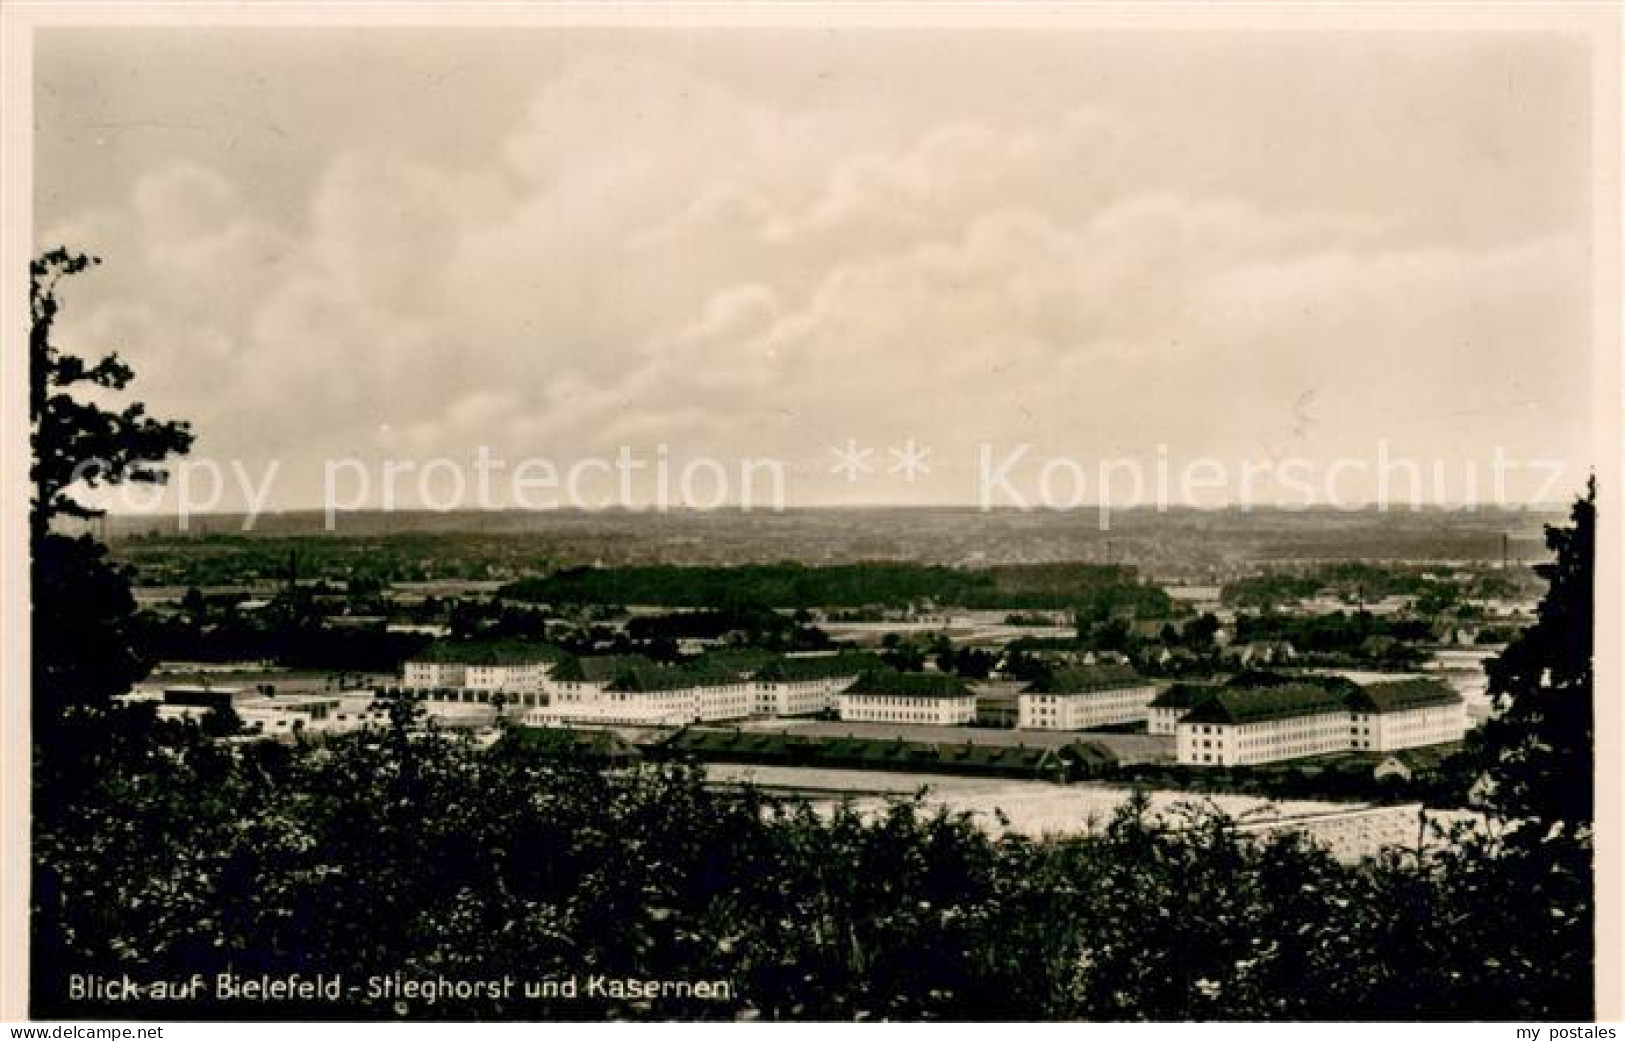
[1169,707]
[805,686]
[1246,726]
[1387,717]
[512,677]
[666,709]
[931,699]
[483,671]
[644,695]
[582,681]
[1085,697]
[432,674]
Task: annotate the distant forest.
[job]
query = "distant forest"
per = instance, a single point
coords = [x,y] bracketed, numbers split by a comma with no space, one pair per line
[1197,545]
[1089,588]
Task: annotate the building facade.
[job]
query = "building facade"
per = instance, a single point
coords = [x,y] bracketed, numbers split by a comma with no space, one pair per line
[638,693]
[928,699]
[583,681]
[429,674]
[482,671]
[1169,707]
[1388,717]
[515,677]
[1248,726]
[1254,725]
[806,686]
[1085,697]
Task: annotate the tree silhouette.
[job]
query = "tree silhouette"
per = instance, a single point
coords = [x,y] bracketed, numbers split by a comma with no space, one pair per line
[83,653]
[1537,751]
[77,441]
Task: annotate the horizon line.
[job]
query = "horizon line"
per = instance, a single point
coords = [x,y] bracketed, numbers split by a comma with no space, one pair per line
[655,510]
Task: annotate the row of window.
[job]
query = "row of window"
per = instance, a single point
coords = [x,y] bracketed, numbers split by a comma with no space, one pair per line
[916,716]
[1080,721]
[860,701]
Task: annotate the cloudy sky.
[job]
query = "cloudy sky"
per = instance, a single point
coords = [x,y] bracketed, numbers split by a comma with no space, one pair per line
[406,244]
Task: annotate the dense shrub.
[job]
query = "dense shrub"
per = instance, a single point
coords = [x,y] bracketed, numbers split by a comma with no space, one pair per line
[398,852]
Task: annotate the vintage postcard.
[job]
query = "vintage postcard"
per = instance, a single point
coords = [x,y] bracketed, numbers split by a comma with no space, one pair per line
[812,513]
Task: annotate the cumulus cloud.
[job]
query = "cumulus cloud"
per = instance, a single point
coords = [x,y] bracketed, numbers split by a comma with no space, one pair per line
[653,256]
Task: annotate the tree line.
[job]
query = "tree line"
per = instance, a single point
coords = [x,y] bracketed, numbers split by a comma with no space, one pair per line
[1059,587]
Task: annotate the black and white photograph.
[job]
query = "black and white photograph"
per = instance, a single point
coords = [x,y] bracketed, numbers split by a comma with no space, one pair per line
[811,513]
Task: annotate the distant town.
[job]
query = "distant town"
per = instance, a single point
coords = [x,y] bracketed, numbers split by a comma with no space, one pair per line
[1349,684]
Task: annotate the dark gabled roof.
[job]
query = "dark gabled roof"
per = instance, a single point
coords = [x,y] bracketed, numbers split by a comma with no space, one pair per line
[649,678]
[1400,695]
[1258,678]
[599,668]
[910,684]
[695,738]
[998,757]
[488,652]
[1185,695]
[1088,752]
[1084,679]
[1254,678]
[704,740]
[742,660]
[819,667]
[1426,757]
[1258,704]
[872,752]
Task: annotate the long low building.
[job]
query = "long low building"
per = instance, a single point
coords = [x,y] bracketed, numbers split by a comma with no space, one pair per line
[1244,726]
[631,690]
[269,715]
[1071,761]
[1085,697]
